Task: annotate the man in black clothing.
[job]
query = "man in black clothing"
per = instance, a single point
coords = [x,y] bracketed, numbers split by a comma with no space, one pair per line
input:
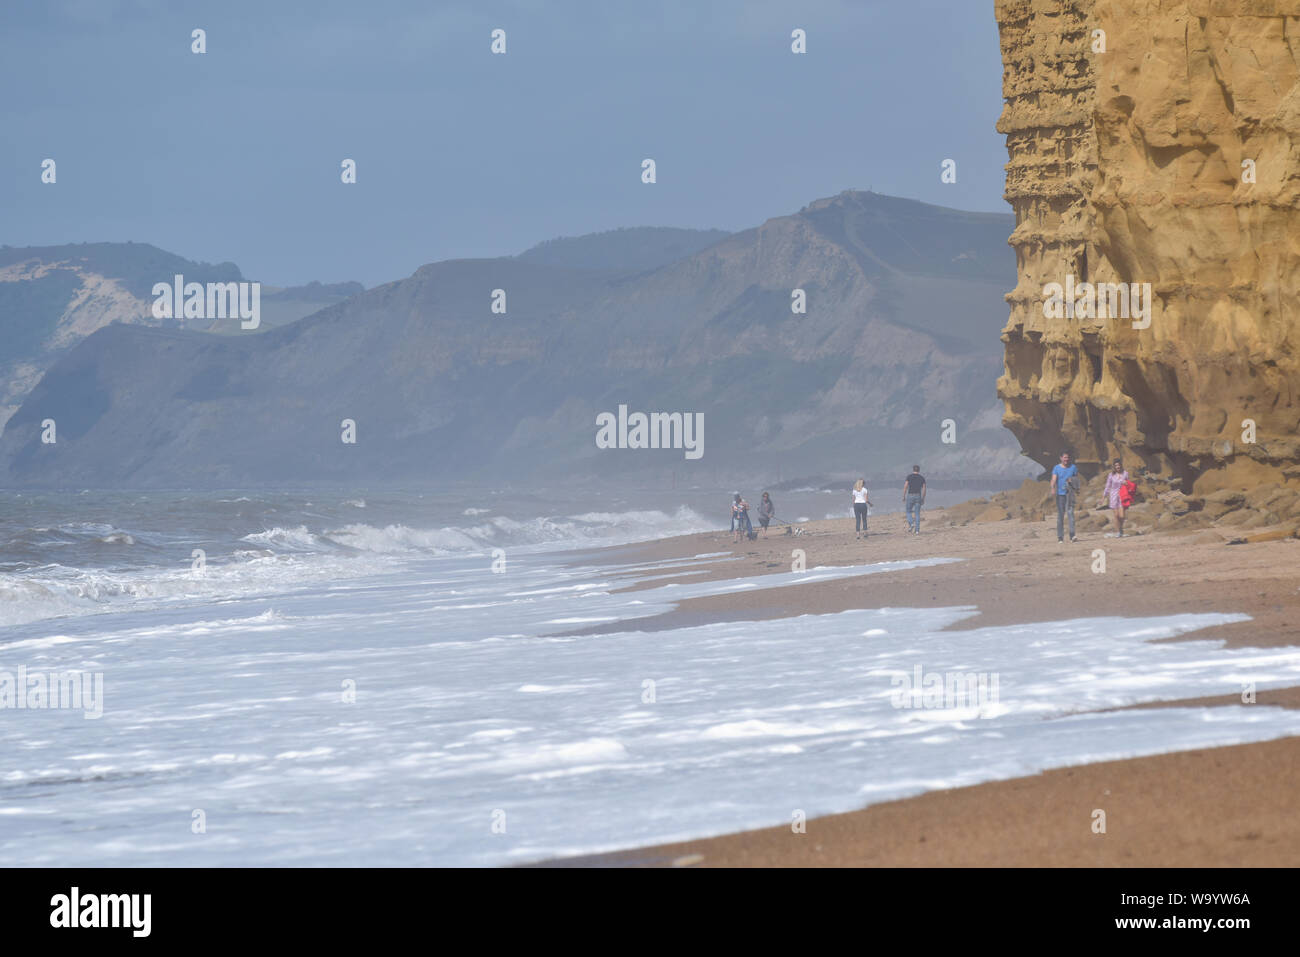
[914,498]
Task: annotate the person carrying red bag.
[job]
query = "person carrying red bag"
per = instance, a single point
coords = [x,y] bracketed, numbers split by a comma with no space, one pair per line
[1128,493]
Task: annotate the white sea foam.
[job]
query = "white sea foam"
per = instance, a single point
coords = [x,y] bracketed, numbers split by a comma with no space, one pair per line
[469,700]
[55,591]
[291,538]
[284,558]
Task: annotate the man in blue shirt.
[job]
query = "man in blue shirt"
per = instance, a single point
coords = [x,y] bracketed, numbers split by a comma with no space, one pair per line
[1065,482]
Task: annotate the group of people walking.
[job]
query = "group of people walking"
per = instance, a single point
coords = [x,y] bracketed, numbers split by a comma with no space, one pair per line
[1118,495]
[740,523]
[913,499]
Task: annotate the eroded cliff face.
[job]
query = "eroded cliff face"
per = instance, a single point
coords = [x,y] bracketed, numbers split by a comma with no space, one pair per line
[1128,164]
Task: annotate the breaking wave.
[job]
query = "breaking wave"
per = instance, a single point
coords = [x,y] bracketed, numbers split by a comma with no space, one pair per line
[49,582]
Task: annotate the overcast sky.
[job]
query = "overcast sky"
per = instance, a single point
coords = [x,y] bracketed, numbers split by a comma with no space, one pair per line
[235,154]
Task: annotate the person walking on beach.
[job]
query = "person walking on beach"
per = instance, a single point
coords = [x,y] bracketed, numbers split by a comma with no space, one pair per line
[1118,494]
[914,498]
[861,507]
[766,512]
[740,522]
[1065,482]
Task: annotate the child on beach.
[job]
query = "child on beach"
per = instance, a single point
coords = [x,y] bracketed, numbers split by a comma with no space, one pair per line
[861,507]
[1118,489]
[766,511]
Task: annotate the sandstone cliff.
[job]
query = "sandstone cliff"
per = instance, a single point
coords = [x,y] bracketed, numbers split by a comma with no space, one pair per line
[1163,150]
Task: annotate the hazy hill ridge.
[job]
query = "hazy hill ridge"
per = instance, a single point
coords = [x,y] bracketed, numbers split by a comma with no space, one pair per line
[904,308]
[52,297]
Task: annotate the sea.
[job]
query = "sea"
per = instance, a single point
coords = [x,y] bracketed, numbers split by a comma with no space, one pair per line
[409,677]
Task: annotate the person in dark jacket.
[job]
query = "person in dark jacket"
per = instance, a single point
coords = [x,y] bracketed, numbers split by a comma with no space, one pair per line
[914,498]
[766,511]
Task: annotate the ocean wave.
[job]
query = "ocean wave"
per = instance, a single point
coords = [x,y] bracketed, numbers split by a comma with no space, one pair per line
[281,558]
[73,542]
[58,591]
[503,531]
[400,538]
[294,539]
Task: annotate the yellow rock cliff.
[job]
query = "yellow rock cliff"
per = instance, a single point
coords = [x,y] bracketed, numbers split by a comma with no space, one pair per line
[1155,142]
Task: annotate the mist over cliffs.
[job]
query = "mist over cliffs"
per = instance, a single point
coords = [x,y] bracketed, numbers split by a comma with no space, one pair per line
[52,297]
[903,305]
[1156,143]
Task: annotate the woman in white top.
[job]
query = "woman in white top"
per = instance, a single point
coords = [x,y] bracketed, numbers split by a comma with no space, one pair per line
[861,504]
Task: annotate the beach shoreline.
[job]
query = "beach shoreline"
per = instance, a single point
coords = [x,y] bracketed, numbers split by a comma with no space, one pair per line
[1224,806]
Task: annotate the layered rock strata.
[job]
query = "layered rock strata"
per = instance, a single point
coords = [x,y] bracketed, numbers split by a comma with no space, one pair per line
[1156,143]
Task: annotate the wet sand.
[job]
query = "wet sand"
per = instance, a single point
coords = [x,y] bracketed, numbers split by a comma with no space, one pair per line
[1218,807]
[1232,806]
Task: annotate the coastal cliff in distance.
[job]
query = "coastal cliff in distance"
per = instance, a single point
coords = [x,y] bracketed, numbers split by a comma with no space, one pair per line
[53,297]
[1156,141]
[901,303]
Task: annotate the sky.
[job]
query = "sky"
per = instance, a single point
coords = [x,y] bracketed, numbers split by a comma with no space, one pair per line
[235,154]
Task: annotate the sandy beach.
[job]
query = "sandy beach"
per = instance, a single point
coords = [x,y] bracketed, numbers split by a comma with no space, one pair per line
[1230,806]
